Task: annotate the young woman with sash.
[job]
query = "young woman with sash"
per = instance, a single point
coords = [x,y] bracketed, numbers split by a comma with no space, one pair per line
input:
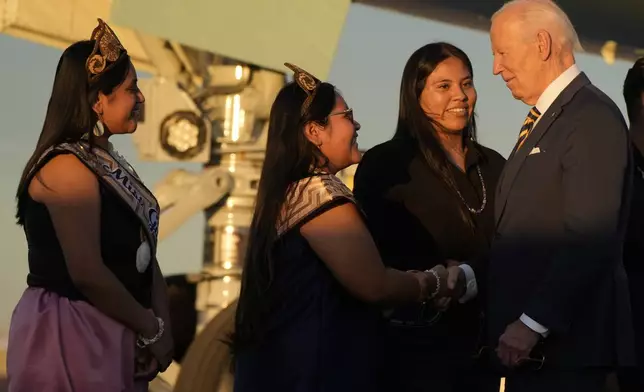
[95,314]
[314,284]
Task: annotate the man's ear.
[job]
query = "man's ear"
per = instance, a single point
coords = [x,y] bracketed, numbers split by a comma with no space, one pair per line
[313,132]
[544,40]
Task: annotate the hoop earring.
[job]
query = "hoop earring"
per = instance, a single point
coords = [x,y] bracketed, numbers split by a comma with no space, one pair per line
[99,129]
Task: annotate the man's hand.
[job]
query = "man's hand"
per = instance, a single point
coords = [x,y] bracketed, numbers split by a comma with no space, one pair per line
[456,281]
[516,343]
[455,286]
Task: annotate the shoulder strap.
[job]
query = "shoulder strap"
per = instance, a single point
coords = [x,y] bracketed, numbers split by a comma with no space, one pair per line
[307,196]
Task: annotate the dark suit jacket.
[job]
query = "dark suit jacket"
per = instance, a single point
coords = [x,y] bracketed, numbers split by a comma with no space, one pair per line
[561,216]
[634,255]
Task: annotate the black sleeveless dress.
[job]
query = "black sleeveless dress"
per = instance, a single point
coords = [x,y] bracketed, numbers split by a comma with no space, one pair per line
[120,240]
[320,337]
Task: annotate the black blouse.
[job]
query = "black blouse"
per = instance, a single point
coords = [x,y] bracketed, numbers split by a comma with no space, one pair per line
[417,222]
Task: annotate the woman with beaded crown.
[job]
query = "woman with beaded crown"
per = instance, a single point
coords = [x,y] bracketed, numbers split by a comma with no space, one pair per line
[94,316]
[313,282]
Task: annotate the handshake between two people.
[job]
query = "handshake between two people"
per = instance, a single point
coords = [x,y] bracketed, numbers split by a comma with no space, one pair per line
[450,285]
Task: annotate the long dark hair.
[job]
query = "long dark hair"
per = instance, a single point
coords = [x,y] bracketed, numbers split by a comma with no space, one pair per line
[633,89]
[415,124]
[69,112]
[290,156]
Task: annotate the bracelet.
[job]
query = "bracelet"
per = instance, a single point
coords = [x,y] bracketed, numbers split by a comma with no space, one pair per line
[143,342]
[438,283]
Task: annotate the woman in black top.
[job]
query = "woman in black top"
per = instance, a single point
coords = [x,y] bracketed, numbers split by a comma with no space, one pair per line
[307,318]
[428,196]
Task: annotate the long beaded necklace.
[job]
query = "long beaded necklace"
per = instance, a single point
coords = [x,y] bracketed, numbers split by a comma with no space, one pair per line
[484,203]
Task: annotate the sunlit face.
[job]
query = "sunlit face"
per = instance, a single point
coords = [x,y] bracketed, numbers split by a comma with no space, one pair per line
[449,95]
[121,110]
[338,139]
[516,59]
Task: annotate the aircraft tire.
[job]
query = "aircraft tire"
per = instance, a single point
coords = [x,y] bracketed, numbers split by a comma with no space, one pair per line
[206,365]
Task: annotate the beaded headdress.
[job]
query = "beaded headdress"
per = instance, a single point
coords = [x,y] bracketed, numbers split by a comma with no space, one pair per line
[307,82]
[108,51]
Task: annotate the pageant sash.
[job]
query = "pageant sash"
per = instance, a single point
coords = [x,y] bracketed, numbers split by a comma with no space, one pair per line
[114,172]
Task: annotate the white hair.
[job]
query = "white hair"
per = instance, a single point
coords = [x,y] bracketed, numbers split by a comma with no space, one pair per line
[547,15]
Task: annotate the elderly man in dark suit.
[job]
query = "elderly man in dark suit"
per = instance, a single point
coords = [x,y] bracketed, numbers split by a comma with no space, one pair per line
[558,293]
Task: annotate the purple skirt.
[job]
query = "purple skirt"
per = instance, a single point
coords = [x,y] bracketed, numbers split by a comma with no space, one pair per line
[60,345]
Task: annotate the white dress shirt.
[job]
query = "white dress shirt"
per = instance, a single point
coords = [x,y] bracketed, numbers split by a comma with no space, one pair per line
[555,88]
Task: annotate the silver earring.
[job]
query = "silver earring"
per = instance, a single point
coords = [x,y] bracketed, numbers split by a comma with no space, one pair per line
[99,129]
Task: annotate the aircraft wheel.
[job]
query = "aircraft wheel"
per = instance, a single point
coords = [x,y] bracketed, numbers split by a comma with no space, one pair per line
[206,366]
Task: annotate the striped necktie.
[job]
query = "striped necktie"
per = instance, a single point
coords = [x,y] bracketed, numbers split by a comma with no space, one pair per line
[532,118]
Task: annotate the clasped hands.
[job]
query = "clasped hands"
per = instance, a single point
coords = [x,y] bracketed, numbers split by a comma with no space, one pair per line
[453,285]
[154,358]
[518,340]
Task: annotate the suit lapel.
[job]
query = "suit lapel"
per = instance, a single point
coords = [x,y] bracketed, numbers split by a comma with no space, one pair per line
[517,158]
[498,204]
